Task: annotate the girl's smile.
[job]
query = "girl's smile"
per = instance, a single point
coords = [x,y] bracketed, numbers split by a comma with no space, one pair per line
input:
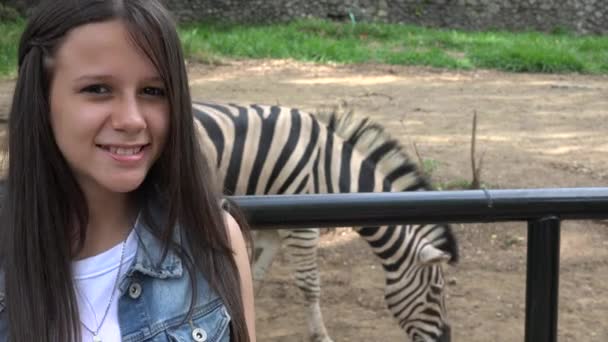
[125,154]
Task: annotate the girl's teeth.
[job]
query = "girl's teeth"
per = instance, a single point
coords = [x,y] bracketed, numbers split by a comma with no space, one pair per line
[125,151]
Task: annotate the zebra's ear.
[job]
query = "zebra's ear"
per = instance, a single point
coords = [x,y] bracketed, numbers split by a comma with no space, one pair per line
[430,254]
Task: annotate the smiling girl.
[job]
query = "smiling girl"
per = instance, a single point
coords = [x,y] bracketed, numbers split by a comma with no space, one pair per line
[112,228]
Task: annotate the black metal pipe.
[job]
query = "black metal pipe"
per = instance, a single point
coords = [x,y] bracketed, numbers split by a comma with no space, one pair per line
[542,280]
[360,209]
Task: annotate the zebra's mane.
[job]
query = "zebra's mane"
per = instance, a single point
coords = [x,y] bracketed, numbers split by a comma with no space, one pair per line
[366,136]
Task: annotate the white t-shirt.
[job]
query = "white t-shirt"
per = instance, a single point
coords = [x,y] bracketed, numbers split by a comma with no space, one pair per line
[94,278]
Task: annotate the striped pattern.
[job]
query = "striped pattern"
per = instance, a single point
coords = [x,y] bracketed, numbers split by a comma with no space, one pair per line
[277,150]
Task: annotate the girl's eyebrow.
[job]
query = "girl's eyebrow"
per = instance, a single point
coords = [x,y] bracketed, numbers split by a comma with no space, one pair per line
[103,77]
[153,79]
[94,77]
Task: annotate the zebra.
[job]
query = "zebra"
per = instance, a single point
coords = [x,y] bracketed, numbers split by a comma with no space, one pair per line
[260,150]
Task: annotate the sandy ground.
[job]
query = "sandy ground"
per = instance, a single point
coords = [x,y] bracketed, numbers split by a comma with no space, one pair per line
[533,130]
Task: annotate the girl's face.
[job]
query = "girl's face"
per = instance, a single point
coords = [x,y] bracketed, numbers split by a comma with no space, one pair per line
[109,111]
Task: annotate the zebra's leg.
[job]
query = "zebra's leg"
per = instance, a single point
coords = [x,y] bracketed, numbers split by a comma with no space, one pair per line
[301,247]
[267,244]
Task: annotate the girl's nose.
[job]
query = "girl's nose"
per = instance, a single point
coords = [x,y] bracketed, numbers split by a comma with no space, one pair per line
[128,116]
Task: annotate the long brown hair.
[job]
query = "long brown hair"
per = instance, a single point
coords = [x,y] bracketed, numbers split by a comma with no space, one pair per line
[43,201]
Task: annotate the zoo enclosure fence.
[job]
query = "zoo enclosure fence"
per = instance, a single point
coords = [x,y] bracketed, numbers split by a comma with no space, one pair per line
[542,209]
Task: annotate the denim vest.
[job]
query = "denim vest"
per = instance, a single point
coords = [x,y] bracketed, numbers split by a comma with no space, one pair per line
[155,297]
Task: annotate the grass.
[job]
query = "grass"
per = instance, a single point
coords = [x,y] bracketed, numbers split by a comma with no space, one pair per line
[324,41]
[429,166]
[9,40]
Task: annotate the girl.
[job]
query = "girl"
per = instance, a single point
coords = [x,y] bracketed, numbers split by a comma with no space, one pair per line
[112,228]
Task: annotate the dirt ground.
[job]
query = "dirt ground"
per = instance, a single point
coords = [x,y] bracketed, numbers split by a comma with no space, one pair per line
[534,130]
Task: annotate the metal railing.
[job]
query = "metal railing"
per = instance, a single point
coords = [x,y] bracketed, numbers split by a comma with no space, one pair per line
[543,209]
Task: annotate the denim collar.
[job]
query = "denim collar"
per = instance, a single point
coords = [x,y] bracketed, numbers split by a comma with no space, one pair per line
[149,256]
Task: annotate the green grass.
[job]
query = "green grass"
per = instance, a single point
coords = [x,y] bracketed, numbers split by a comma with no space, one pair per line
[429,166]
[9,40]
[323,41]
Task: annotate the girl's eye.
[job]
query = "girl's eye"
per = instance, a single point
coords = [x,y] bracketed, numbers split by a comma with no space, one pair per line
[96,89]
[154,91]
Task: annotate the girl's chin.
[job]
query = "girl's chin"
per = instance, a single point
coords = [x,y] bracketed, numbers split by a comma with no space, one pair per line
[124,185]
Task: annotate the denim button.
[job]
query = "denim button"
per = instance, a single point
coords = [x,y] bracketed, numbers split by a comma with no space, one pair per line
[134,290]
[199,335]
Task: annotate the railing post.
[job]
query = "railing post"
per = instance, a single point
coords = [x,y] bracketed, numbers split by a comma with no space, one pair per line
[542,279]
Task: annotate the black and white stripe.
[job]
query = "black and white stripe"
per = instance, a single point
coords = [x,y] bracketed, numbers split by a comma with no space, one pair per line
[278,150]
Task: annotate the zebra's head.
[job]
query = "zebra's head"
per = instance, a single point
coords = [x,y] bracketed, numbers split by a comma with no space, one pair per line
[421,307]
[413,257]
